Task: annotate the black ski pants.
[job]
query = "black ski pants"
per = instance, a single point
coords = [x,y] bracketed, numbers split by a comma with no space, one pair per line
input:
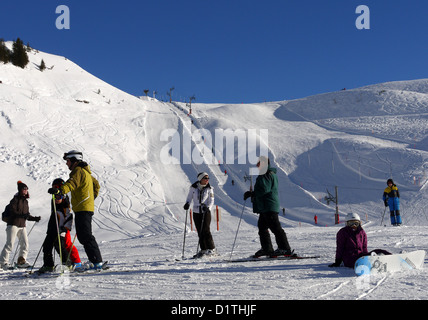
[202,223]
[51,241]
[269,220]
[84,235]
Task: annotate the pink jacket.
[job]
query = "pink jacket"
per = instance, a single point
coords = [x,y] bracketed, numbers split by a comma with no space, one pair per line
[350,245]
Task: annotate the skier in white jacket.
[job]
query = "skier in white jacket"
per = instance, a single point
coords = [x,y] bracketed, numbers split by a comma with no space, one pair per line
[202,195]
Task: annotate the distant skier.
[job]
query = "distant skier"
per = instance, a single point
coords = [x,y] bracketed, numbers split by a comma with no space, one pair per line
[391,198]
[265,199]
[84,189]
[351,243]
[16,227]
[64,217]
[202,195]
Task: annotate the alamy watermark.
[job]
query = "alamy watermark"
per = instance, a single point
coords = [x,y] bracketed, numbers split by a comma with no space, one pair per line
[63,20]
[363,20]
[224,146]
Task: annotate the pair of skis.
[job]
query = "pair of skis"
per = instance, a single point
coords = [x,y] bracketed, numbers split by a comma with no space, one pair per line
[255,258]
[70,271]
[272,258]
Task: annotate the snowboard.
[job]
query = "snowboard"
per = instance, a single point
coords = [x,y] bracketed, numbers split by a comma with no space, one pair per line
[389,263]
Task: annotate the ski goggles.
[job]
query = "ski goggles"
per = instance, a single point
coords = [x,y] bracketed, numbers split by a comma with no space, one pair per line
[353,223]
[59,197]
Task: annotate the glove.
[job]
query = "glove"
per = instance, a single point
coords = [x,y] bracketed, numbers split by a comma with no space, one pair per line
[248,194]
[36,219]
[386,203]
[186,206]
[54,191]
[204,208]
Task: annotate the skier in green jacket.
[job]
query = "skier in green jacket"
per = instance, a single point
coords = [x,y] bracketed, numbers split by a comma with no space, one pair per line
[265,201]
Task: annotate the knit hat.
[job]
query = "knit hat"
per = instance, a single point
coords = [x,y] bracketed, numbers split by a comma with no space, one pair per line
[201,175]
[21,185]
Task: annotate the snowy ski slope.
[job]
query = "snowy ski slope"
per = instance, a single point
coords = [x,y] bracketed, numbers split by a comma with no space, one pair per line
[354,139]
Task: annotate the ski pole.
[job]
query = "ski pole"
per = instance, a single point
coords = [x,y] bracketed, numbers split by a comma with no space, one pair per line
[236,235]
[184,237]
[381,223]
[32,267]
[71,248]
[57,228]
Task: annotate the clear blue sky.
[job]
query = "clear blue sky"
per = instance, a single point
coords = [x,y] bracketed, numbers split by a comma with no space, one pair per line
[230,51]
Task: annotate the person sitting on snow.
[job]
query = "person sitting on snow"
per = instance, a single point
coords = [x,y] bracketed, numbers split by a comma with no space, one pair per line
[351,243]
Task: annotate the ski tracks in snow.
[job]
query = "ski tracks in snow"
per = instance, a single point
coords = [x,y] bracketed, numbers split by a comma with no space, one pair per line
[357,288]
[370,288]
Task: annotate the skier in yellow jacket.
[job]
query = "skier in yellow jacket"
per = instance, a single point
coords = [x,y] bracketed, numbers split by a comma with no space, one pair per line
[84,189]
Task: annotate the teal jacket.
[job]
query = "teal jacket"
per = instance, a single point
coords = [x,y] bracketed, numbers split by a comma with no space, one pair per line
[265,197]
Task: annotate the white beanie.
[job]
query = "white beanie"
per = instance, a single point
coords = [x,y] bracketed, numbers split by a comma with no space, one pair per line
[201,175]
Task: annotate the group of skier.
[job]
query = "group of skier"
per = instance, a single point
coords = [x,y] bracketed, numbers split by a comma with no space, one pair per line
[83,188]
[351,239]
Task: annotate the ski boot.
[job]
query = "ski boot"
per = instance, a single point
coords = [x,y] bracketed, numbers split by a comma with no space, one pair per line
[262,252]
[45,269]
[283,253]
[22,264]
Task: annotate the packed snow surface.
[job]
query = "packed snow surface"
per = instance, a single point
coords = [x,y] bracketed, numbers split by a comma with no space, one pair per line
[138,149]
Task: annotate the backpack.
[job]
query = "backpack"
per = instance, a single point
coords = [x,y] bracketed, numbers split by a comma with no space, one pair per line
[6,214]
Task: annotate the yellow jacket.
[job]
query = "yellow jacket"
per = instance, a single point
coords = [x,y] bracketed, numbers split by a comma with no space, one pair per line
[83,187]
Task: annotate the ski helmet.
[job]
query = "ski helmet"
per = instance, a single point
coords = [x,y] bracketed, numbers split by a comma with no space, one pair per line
[58,182]
[352,217]
[73,155]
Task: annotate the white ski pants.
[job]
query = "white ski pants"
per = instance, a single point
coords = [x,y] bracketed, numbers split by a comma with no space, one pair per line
[11,233]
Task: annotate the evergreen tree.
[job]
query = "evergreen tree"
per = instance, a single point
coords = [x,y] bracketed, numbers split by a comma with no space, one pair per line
[4,52]
[42,65]
[19,55]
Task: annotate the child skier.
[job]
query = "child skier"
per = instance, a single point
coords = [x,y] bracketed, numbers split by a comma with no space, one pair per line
[391,198]
[61,225]
[16,227]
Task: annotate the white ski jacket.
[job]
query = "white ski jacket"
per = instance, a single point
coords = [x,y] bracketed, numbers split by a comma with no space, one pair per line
[200,197]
